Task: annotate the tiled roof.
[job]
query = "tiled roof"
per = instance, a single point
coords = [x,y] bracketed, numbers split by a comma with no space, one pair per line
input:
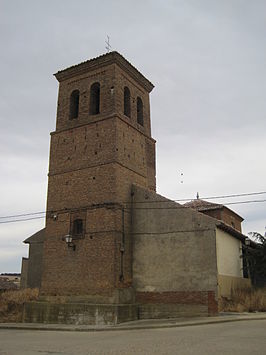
[202,205]
[105,59]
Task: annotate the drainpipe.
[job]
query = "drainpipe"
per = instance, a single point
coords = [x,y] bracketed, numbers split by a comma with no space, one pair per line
[122,247]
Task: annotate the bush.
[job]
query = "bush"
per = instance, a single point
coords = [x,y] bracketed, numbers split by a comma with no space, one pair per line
[11,303]
[244,300]
[254,259]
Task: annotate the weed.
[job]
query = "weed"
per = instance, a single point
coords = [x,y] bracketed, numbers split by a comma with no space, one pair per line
[11,303]
[244,300]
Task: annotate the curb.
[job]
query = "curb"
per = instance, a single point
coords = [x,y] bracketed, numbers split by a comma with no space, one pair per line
[69,328]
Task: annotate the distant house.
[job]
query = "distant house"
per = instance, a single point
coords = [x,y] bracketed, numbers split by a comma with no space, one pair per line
[229,242]
[31,269]
[13,277]
[6,285]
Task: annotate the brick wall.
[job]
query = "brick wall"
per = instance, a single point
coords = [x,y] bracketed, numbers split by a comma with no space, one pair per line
[205,298]
[227,216]
[94,159]
[89,269]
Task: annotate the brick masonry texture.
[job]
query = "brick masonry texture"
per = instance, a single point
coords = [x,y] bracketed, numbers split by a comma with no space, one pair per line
[94,159]
[227,216]
[180,298]
[212,303]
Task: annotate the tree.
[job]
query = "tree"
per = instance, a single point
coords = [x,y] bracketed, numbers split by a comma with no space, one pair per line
[254,257]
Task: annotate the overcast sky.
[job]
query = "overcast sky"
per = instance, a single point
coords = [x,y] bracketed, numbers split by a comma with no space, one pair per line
[206,59]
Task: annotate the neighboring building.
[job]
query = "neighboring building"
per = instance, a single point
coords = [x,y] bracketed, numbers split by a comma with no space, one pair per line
[229,249]
[114,250]
[229,242]
[13,277]
[31,269]
[218,211]
[7,285]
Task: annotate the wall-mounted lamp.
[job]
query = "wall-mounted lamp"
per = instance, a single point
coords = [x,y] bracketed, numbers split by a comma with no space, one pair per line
[69,240]
[247,241]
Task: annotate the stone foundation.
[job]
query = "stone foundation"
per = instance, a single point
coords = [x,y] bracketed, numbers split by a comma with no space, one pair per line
[79,313]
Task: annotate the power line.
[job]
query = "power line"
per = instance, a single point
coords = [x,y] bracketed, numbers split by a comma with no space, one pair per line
[23,215]
[21,220]
[240,202]
[223,196]
[136,202]
[182,206]
[127,208]
[154,201]
[175,231]
[147,201]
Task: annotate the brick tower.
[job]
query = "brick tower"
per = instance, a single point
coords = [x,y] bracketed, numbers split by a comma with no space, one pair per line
[102,144]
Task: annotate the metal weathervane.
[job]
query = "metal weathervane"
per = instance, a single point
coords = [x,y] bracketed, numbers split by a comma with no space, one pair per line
[108,45]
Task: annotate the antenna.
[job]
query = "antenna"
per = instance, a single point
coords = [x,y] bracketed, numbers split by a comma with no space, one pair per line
[108,45]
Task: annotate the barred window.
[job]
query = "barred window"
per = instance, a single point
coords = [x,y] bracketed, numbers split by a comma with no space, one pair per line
[77,227]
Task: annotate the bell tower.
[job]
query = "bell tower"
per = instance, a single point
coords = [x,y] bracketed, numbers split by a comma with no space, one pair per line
[102,144]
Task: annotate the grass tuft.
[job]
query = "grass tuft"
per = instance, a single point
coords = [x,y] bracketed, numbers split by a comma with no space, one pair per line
[244,300]
[11,303]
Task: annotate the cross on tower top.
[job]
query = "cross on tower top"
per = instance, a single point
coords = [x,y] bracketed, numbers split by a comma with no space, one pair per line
[108,45]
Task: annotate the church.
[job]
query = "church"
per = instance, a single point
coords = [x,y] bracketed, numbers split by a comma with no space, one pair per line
[113,250]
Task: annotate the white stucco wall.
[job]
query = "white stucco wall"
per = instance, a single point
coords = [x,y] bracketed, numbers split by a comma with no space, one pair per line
[228,251]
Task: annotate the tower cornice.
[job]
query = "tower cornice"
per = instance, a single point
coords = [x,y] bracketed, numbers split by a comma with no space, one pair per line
[104,118]
[101,61]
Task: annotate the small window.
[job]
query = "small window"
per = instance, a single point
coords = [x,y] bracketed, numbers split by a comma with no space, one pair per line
[77,227]
[139,111]
[74,105]
[95,99]
[127,110]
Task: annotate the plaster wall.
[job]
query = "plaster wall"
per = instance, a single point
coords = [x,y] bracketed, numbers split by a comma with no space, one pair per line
[173,247]
[35,265]
[229,250]
[24,273]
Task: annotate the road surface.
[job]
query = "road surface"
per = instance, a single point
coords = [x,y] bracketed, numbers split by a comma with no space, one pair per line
[245,337]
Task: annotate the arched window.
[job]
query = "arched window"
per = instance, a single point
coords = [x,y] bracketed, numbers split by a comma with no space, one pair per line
[127,109]
[77,227]
[74,105]
[95,99]
[139,111]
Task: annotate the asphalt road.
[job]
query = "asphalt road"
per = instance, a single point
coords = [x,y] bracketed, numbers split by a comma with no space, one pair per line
[246,337]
